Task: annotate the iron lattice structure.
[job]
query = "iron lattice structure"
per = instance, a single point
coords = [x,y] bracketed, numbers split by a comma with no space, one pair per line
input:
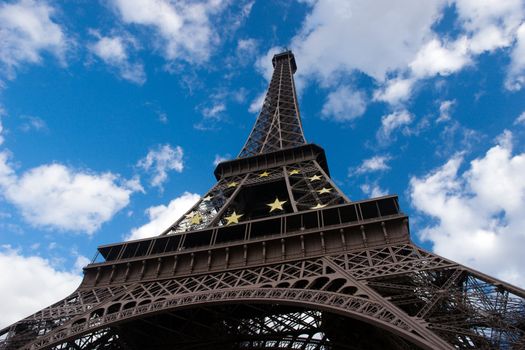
[275,256]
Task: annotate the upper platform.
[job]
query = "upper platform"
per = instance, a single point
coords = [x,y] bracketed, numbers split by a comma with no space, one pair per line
[288,56]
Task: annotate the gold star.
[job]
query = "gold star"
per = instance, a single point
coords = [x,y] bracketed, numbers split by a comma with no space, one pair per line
[232,184]
[207,198]
[196,219]
[234,218]
[315,178]
[294,172]
[319,206]
[324,190]
[276,205]
[265,174]
[190,215]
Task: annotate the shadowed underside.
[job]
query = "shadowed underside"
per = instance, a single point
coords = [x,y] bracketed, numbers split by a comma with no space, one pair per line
[275,256]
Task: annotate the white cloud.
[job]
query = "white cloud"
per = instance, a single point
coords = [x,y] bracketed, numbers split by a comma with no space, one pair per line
[343,104]
[32,123]
[162,217]
[444,110]
[516,72]
[110,49]
[371,36]
[479,212]
[519,120]
[56,196]
[441,58]
[257,103]
[183,28]
[376,163]
[373,190]
[114,52]
[246,50]
[239,95]
[26,31]
[1,126]
[30,283]
[394,42]
[490,24]
[240,16]
[395,91]
[486,26]
[214,111]
[219,159]
[393,121]
[433,58]
[160,161]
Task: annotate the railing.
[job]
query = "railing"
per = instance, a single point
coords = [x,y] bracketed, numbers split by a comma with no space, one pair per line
[355,213]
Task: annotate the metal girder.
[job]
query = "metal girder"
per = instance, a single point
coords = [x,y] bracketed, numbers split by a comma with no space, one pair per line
[451,301]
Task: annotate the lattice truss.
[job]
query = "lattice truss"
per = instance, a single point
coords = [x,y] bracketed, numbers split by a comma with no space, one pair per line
[206,211]
[312,188]
[428,300]
[305,186]
[278,125]
[48,319]
[103,339]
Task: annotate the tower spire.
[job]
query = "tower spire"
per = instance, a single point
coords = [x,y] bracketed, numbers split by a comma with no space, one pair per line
[278,125]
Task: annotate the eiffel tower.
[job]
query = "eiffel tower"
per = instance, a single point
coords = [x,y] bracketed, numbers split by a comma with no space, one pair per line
[275,256]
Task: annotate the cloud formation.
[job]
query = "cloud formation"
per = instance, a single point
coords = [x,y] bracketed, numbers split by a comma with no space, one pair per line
[516,73]
[374,37]
[373,190]
[161,217]
[30,283]
[113,50]
[376,163]
[27,30]
[391,122]
[55,196]
[445,108]
[344,104]
[181,30]
[478,213]
[397,43]
[158,162]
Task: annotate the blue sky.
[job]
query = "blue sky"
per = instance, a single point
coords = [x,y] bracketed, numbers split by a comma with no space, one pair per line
[114,112]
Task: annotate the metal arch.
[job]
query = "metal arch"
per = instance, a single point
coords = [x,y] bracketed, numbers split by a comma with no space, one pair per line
[190,291]
[345,305]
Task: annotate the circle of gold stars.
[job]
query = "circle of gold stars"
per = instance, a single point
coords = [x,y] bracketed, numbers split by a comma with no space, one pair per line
[232,184]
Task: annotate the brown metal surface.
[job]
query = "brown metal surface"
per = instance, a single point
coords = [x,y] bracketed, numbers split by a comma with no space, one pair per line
[316,271]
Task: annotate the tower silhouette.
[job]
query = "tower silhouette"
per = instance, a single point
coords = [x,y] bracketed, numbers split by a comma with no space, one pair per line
[275,256]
